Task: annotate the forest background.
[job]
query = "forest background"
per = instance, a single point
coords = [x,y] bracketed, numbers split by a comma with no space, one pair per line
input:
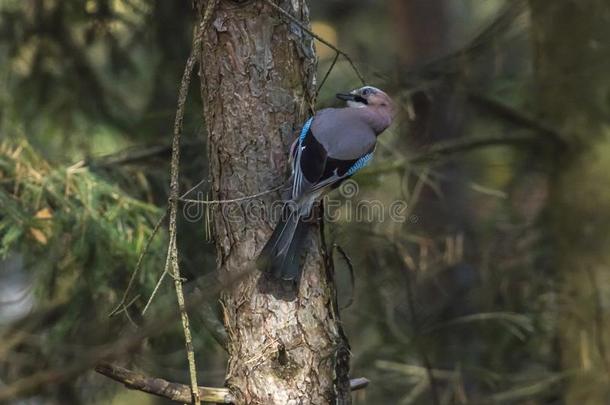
[496,283]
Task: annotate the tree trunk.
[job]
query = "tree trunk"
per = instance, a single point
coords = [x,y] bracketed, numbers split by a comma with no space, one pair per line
[257,85]
[571,66]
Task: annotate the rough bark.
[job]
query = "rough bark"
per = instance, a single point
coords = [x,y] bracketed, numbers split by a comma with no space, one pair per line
[257,85]
[571,66]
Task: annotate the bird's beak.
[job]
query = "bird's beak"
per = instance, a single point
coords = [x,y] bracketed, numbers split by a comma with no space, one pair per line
[346,96]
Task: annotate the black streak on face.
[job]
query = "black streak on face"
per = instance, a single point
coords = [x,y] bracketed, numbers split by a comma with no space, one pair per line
[360,99]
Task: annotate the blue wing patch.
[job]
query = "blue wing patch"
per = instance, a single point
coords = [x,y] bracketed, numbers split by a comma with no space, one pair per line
[305,130]
[360,163]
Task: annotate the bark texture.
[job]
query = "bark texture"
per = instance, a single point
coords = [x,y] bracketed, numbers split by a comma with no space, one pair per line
[257,86]
[571,66]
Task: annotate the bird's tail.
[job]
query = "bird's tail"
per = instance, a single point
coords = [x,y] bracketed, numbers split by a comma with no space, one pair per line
[281,255]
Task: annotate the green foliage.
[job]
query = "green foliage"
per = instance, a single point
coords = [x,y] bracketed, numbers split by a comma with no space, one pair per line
[79,234]
[107,69]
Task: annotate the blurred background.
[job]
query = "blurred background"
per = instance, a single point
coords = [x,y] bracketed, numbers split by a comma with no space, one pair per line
[497,283]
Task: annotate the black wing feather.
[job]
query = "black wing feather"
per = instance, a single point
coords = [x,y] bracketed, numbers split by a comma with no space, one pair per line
[313,158]
[316,166]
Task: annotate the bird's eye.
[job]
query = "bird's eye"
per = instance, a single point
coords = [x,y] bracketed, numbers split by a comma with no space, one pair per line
[366,92]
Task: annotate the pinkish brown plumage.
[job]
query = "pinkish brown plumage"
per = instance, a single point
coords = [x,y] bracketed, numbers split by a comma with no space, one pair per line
[332,146]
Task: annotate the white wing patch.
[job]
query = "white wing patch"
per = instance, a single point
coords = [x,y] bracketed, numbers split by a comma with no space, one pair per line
[297,173]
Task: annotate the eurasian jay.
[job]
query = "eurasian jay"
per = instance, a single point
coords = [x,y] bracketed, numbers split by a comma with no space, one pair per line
[333,145]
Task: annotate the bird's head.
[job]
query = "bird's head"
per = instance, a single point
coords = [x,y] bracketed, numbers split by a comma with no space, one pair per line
[367,96]
[372,99]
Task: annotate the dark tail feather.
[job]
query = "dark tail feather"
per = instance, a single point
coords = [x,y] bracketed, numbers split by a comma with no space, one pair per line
[287,266]
[281,236]
[281,254]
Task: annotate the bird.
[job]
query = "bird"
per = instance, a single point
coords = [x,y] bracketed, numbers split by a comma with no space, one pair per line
[331,146]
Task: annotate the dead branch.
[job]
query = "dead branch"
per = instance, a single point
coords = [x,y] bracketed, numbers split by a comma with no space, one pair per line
[516,117]
[162,388]
[172,254]
[180,392]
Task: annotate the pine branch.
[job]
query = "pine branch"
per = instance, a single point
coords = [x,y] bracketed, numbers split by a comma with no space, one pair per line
[459,145]
[516,117]
[136,154]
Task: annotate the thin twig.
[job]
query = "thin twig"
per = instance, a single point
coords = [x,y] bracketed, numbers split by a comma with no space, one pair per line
[330,69]
[350,267]
[129,304]
[138,265]
[156,289]
[194,187]
[174,193]
[319,38]
[234,200]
